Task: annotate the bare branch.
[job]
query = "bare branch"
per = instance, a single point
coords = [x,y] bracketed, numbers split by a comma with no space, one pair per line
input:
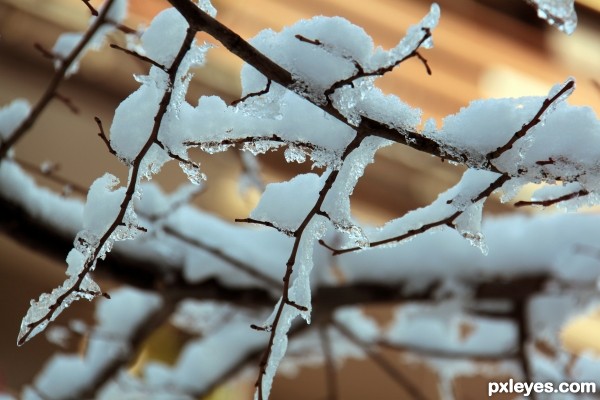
[298,235]
[57,79]
[549,202]
[138,56]
[92,9]
[67,101]
[255,94]
[45,52]
[218,253]
[520,315]
[102,136]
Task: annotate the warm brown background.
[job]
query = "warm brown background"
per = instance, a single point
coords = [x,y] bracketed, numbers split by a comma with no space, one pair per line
[482,49]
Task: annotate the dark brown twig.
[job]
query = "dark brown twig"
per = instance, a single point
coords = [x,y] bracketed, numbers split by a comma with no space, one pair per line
[45,52]
[124,28]
[520,315]
[448,221]
[549,202]
[92,9]
[265,223]
[533,122]
[254,94]
[102,136]
[67,102]
[361,73]
[304,39]
[298,235]
[58,77]
[220,254]
[138,56]
[50,174]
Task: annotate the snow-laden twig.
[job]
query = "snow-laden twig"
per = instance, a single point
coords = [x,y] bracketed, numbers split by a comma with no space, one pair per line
[36,319]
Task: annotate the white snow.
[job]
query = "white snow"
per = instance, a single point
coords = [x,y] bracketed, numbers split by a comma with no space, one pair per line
[11,116]
[286,204]
[559,13]
[132,126]
[446,328]
[67,43]
[67,375]
[103,204]
[163,38]
[320,53]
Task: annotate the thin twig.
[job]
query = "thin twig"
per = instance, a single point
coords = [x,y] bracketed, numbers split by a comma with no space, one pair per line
[92,9]
[549,202]
[361,73]
[254,94]
[520,311]
[138,56]
[220,254]
[265,223]
[57,79]
[67,101]
[50,175]
[447,221]
[533,122]
[45,52]
[102,136]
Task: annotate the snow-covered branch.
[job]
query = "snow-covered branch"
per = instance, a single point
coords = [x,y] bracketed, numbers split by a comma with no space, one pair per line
[465,291]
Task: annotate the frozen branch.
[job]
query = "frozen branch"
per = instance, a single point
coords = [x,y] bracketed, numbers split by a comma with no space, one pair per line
[34,325]
[537,118]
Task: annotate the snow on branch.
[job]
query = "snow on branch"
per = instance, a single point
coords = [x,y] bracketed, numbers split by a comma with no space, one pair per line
[311,90]
[558,13]
[103,228]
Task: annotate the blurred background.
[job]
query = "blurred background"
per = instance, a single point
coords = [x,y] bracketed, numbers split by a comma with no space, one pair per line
[484,48]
